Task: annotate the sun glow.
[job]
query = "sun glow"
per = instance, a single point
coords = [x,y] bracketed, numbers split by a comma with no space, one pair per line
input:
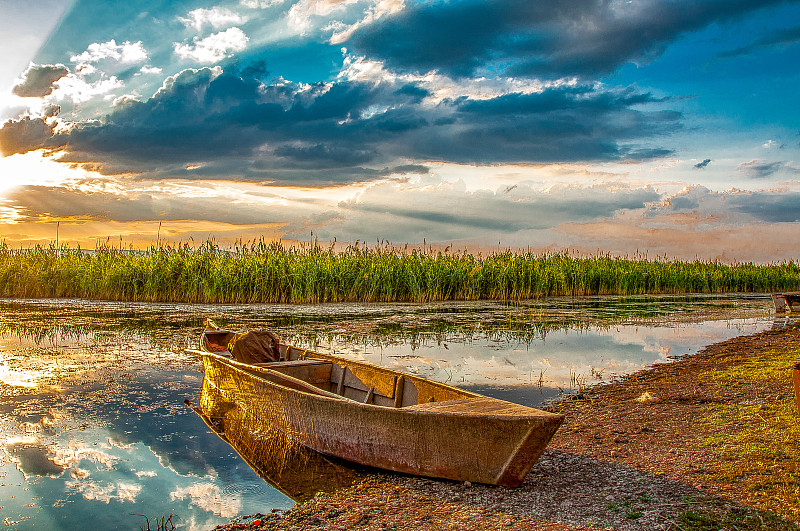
[35,169]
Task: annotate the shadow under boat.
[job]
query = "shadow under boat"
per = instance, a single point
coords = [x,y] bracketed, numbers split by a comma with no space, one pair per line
[293,469]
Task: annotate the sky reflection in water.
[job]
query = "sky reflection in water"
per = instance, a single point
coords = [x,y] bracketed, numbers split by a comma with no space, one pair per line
[92,422]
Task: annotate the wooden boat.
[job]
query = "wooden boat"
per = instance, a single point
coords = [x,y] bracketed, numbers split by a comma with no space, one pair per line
[379,417]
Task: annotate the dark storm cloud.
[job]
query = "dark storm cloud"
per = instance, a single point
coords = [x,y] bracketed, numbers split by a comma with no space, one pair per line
[559,124]
[347,131]
[38,81]
[701,165]
[783,37]
[536,38]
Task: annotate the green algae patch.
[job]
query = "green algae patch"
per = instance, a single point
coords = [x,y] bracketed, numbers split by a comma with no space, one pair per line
[756,432]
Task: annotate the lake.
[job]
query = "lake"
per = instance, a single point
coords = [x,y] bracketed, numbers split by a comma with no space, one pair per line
[94,429]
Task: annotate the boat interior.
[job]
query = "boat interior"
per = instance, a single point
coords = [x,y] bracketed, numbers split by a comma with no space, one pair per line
[335,377]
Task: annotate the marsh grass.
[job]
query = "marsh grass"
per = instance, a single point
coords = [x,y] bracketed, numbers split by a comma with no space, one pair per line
[758,441]
[272,272]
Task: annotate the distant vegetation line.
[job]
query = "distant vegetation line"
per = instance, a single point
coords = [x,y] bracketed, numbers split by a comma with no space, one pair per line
[262,272]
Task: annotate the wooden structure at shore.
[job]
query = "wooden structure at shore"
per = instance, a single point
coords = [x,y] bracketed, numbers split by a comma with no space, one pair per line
[787,302]
[796,379]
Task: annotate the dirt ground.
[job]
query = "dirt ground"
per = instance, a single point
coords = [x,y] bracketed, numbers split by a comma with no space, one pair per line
[628,456]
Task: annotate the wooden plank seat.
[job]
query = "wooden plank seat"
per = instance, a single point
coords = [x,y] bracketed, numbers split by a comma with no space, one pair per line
[291,363]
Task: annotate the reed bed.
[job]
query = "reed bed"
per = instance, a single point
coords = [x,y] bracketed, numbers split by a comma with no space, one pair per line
[272,272]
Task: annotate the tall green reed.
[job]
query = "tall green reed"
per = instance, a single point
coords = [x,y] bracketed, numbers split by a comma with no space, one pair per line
[272,272]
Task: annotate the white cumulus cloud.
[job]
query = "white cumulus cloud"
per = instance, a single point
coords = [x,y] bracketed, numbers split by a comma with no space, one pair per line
[126,53]
[94,491]
[260,4]
[300,14]
[213,48]
[150,70]
[78,90]
[216,17]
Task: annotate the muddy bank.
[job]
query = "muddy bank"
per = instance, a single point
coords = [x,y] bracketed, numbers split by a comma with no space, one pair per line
[641,453]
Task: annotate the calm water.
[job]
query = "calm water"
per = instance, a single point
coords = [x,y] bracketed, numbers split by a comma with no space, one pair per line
[94,430]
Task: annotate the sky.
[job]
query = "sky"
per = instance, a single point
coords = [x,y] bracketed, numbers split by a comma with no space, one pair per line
[648,128]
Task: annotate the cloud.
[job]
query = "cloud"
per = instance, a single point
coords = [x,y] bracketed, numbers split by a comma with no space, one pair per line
[701,165]
[775,38]
[759,169]
[242,128]
[26,134]
[125,53]
[96,491]
[682,236]
[766,206]
[771,207]
[300,13]
[440,211]
[150,70]
[216,17]
[38,80]
[131,203]
[260,4]
[407,210]
[78,90]
[378,10]
[209,497]
[213,48]
[688,199]
[544,39]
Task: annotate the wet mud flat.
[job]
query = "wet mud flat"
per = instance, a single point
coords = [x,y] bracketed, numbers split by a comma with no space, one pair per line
[631,455]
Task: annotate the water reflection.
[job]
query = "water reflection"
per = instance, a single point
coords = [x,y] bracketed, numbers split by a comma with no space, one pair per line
[293,469]
[93,426]
[563,360]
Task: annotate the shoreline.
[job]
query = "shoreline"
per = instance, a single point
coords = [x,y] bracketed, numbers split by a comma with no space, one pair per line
[654,450]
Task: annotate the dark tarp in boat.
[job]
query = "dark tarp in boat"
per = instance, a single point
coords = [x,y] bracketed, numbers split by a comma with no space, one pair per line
[255,346]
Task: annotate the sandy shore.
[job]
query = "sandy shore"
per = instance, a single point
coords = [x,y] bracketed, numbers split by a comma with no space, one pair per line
[631,455]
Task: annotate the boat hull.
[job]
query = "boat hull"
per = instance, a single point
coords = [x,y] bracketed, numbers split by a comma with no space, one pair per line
[290,467]
[468,438]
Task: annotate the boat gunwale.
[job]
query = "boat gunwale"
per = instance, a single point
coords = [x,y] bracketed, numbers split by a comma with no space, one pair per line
[259,372]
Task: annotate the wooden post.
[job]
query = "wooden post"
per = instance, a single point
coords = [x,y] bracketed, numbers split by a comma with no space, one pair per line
[398,391]
[340,387]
